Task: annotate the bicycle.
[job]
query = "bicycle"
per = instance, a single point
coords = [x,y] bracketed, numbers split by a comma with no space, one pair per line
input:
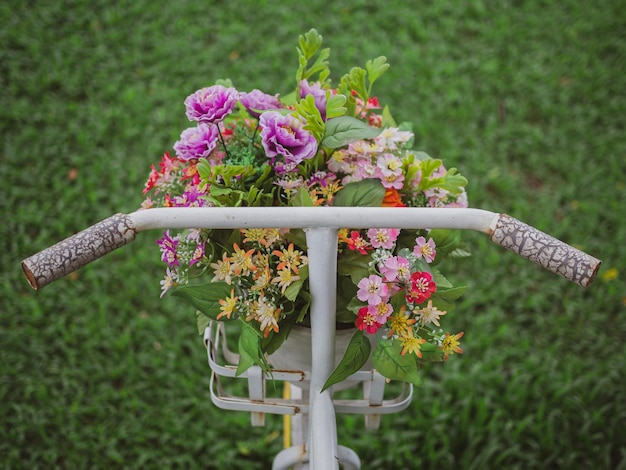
[320,448]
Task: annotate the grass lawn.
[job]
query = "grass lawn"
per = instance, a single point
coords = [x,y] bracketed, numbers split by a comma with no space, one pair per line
[526,98]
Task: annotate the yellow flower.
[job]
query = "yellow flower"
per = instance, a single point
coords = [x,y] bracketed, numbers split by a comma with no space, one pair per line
[222,270]
[411,344]
[400,322]
[242,261]
[263,236]
[228,305]
[253,235]
[290,258]
[451,345]
[262,278]
[284,279]
[267,315]
[610,274]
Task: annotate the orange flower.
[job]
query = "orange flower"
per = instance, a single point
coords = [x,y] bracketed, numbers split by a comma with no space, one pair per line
[451,344]
[392,198]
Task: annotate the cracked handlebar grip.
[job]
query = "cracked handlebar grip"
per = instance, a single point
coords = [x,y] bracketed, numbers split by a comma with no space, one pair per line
[78,250]
[545,250]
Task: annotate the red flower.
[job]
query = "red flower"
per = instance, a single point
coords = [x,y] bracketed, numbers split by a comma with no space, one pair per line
[152,179]
[357,243]
[366,321]
[421,287]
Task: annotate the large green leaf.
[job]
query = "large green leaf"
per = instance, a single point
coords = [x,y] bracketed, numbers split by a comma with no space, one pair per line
[388,361]
[355,265]
[343,130]
[365,193]
[355,357]
[205,297]
[249,348]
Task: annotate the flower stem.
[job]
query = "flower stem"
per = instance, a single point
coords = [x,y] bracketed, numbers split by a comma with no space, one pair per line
[219,131]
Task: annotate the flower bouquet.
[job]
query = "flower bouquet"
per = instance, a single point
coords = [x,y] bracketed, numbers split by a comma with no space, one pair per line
[320,145]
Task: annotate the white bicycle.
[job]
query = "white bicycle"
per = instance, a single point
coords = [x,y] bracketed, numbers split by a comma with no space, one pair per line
[314,444]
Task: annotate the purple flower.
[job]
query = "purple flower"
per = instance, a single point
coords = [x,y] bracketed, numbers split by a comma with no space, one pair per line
[284,136]
[211,104]
[198,254]
[256,100]
[319,94]
[192,197]
[168,247]
[196,142]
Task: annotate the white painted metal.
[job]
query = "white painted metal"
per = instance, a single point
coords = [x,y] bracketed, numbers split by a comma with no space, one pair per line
[322,253]
[308,217]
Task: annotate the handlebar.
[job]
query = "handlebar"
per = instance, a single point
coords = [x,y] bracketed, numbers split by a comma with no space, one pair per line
[116,231]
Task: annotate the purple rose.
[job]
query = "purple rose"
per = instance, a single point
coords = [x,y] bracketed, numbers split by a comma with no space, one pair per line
[284,136]
[196,142]
[212,104]
[318,93]
[257,100]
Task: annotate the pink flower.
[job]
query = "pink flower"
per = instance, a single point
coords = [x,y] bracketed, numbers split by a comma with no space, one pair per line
[372,290]
[421,287]
[380,311]
[366,321]
[212,104]
[196,142]
[424,249]
[389,171]
[383,237]
[395,268]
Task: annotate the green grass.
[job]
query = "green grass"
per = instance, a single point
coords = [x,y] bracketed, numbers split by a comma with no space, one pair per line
[527,99]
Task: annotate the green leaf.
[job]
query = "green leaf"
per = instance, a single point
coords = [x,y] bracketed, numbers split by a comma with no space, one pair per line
[294,288]
[202,321]
[452,294]
[354,81]
[275,340]
[355,357]
[308,111]
[446,242]
[341,131]
[388,120]
[375,68]
[302,198]
[365,193]
[355,265]
[388,361]
[335,106]
[444,299]
[453,182]
[249,348]
[205,297]
[310,43]
[441,281]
